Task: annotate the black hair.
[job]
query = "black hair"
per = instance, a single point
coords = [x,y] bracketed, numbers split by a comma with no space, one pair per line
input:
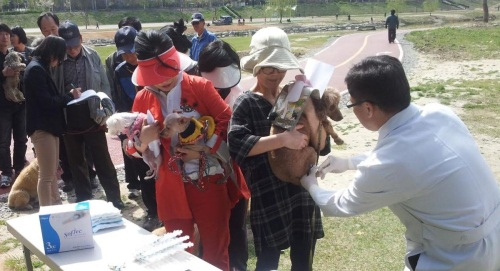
[5,28]
[217,54]
[47,15]
[51,47]
[393,11]
[380,80]
[19,31]
[130,21]
[151,43]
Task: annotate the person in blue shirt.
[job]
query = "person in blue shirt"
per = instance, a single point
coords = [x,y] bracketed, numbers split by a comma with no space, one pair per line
[203,37]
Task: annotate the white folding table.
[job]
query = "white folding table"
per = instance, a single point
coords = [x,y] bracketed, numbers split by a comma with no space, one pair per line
[112,247]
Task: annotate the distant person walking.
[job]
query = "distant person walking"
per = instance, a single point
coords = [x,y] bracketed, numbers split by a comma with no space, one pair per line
[392,23]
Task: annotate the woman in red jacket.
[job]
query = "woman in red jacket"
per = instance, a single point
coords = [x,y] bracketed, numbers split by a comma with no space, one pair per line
[184,197]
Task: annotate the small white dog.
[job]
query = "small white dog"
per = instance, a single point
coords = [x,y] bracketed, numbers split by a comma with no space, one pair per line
[130,124]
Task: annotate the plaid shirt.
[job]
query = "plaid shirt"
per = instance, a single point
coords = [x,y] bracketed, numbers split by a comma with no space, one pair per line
[279,211]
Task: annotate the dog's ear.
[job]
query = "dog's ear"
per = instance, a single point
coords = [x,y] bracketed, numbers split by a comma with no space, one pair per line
[184,120]
[331,100]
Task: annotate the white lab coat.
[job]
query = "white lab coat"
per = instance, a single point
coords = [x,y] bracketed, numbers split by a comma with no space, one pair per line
[428,169]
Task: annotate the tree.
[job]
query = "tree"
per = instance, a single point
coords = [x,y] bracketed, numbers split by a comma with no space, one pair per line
[45,4]
[486,12]
[430,5]
[281,6]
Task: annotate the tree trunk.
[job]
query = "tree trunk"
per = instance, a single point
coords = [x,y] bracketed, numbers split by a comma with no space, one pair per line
[485,9]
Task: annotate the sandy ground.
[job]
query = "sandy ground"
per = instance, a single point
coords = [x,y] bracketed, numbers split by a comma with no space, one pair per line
[356,137]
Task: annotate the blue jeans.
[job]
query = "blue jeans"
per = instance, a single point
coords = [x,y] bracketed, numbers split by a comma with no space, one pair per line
[13,126]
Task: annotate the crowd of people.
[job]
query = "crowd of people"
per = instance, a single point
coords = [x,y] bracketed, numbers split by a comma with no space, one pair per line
[214,169]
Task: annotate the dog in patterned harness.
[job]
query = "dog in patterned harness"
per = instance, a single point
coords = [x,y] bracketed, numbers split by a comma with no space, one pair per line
[192,134]
[290,165]
[130,124]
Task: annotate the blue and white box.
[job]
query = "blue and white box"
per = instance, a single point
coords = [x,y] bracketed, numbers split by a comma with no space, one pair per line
[66,227]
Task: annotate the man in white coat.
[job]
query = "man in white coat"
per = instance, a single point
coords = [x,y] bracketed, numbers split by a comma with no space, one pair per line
[426,167]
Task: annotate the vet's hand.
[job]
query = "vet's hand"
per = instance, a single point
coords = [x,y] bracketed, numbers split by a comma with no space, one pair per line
[309,179]
[334,164]
[294,139]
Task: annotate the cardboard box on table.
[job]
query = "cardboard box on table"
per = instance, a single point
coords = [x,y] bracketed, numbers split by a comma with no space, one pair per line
[66,227]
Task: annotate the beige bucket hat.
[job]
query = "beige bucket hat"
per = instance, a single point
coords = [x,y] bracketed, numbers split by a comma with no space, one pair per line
[270,47]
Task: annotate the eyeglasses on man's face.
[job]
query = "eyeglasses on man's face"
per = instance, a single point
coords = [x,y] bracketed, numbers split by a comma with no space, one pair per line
[271,70]
[356,103]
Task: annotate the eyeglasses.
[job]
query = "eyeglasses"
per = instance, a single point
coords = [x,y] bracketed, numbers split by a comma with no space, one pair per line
[271,70]
[356,103]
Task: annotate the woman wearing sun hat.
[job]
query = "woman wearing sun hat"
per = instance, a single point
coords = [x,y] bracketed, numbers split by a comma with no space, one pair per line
[183,201]
[280,212]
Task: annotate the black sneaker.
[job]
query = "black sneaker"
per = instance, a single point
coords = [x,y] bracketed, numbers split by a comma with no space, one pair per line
[119,204]
[94,183]
[134,193]
[68,187]
[5,181]
[151,223]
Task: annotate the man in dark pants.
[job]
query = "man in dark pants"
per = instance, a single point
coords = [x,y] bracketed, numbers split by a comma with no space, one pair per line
[392,23]
[12,120]
[82,68]
[48,23]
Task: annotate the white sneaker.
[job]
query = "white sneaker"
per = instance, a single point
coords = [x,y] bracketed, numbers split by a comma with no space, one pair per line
[133,193]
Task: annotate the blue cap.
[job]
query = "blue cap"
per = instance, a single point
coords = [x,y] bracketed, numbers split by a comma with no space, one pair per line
[197,17]
[70,33]
[124,40]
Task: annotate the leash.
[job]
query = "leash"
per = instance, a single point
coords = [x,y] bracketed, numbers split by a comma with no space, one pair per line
[313,215]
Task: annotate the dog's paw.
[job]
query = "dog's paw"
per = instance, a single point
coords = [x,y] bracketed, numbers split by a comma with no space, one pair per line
[338,141]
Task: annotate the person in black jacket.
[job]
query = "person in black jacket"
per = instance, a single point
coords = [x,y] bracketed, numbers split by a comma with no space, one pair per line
[12,119]
[44,114]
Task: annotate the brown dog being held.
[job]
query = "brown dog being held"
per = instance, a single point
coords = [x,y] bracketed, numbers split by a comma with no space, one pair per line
[290,165]
[24,190]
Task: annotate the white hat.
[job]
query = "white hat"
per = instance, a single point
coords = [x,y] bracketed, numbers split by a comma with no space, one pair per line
[270,47]
[224,77]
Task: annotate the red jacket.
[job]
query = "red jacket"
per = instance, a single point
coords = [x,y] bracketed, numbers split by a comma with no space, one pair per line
[200,95]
